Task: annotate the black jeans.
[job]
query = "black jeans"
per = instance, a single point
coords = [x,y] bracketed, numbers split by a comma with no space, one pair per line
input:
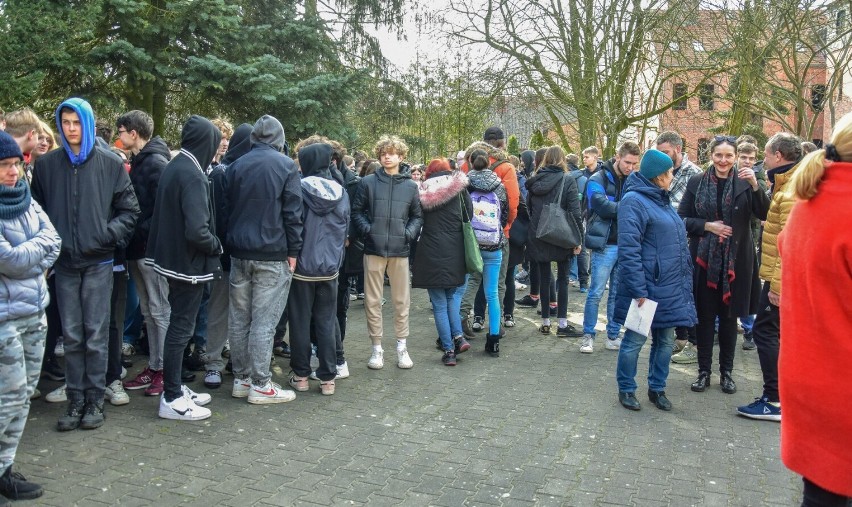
[184,299]
[686,333]
[116,325]
[343,304]
[709,305]
[313,302]
[54,323]
[815,496]
[281,328]
[547,295]
[767,337]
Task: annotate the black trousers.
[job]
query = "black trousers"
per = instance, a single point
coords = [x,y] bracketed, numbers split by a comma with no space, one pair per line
[709,304]
[185,300]
[118,304]
[815,496]
[767,337]
[547,295]
[54,323]
[312,305]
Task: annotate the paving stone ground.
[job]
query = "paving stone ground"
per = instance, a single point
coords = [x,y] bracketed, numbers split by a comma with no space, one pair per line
[541,425]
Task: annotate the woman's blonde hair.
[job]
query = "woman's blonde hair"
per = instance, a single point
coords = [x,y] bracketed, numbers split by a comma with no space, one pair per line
[805,182]
[554,156]
[45,130]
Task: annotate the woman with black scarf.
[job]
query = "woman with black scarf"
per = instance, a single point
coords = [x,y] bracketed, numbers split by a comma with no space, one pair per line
[717,208]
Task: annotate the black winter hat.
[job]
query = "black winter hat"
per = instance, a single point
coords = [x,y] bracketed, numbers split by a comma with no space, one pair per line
[493,134]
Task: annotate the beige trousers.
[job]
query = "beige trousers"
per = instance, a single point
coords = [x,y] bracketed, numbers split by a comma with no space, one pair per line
[374,281]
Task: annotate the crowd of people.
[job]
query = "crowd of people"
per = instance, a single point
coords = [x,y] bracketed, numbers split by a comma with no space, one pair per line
[113,244]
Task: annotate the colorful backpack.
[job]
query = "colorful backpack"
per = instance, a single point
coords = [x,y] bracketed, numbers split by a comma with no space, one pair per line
[485,218]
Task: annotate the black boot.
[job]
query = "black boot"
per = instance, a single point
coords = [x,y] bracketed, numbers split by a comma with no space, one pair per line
[727,383]
[15,486]
[629,401]
[93,415]
[70,420]
[701,382]
[195,361]
[658,398]
[492,345]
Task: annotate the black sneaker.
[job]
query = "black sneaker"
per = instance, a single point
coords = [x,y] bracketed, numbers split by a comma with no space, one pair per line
[70,420]
[527,301]
[492,345]
[438,344]
[449,358]
[194,362]
[748,341]
[53,371]
[461,345]
[569,331]
[186,375]
[93,415]
[478,323]
[281,348]
[15,486]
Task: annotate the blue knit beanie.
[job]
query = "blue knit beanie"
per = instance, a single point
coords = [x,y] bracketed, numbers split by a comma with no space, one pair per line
[654,163]
[8,147]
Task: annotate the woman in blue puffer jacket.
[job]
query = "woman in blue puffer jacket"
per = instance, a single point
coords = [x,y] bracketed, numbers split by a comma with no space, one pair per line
[653,263]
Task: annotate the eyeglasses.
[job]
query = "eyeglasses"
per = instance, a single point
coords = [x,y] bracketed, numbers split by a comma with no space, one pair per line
[120,131]
[722,139]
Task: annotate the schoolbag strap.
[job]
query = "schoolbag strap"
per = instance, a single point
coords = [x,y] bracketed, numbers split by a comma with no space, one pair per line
[497,164]
[561,192]
[465,216]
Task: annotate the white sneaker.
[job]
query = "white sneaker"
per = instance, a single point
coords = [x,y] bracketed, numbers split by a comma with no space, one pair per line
[520,286]
[199,399]
[270,393]
[377,360]
[241,387]
[613,344]
[182,409]
[127,350]
[57,395]
[404,360]
[587,347]
[59,349]
[123,373]
[115,394]
[342,370]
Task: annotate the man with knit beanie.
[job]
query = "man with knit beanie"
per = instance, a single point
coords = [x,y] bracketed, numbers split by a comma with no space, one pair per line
[29,245]
[89,198]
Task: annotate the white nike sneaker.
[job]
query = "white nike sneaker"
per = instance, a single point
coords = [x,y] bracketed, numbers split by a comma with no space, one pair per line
[182,409]
[199,399]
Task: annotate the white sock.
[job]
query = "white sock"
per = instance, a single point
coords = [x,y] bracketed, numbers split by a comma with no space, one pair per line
[377,348]
[400,344]
[545,322]
[563,322]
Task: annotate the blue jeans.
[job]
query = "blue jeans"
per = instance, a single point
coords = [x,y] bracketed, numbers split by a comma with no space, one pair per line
[603,269]
[747,322]
[490,279]
[662,340]
[446,305]
[259,291]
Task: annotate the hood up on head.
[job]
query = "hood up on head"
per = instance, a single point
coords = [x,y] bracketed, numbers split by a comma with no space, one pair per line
[438,190]
[87,128]
[268,130]
[528,158]
[637,182]
[315,160]
[240,144]
[200,139]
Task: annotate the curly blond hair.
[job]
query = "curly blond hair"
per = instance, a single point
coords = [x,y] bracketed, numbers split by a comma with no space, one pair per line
[391,144]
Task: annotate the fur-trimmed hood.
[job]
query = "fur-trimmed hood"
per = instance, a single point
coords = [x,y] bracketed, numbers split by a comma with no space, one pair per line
[495,153]
[439,189]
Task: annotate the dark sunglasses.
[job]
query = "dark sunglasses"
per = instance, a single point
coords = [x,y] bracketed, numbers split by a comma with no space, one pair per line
[729,139]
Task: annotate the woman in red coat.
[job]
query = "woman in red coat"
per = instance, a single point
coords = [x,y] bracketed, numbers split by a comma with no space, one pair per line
[816,250]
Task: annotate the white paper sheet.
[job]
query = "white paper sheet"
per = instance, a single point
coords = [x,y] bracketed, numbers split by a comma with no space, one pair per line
[639,318]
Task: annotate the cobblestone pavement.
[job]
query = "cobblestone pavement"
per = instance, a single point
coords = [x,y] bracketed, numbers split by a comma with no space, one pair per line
[541,425]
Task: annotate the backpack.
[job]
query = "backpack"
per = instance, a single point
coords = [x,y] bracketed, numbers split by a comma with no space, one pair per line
[485,218]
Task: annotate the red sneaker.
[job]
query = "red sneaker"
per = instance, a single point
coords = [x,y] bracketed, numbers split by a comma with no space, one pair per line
[156,387]
[141,381]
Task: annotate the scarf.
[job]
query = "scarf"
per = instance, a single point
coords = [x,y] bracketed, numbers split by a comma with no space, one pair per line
[14,201]
[714,252]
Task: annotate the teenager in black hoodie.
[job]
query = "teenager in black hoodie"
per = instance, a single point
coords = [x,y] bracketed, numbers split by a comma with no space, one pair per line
[182,247]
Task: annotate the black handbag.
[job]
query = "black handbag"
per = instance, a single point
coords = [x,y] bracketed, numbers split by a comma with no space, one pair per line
[554,227]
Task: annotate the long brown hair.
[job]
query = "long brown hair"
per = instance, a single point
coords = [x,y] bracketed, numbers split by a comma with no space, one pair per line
[554,156]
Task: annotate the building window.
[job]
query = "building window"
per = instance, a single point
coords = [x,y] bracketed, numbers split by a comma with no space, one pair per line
[698,46]
[679,91]
[705,98]
[818,97]
[703,150]
[674,46]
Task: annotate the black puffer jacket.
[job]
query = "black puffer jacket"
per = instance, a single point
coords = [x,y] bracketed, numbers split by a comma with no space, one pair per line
[439,261]
[486,180]
[146,167]
[387,214]
[353,261]
[543,188]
